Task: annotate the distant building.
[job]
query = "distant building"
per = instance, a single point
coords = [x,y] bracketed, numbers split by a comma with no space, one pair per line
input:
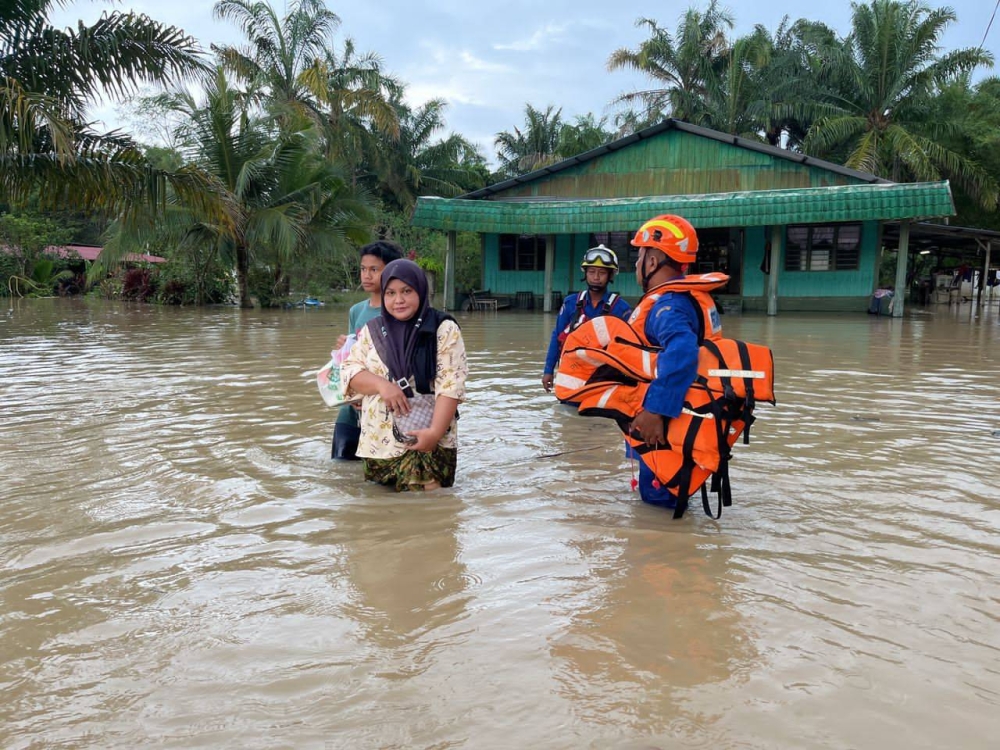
[793,232]
[89,253]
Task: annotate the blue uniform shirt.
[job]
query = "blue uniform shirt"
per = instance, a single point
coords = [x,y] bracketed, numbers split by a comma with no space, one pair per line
[621,309]
[672,324]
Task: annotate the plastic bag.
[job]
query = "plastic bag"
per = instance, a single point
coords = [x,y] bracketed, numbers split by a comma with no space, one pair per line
[328,378]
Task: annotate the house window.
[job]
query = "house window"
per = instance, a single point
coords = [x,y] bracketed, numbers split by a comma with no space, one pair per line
[834,247]
[522,252]
[620,243]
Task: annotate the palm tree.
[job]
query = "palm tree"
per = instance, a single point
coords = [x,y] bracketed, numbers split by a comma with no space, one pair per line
[359,103]
[586,132]
[972,113]
[679,64]
[292,69]
[731,98]
[534,147]
[783,86]
[49,76]
[414,164]
[280,196]
[628,121]
[283,62]
[884,76]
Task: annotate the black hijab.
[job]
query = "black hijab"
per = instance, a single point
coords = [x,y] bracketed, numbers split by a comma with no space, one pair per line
[400,336]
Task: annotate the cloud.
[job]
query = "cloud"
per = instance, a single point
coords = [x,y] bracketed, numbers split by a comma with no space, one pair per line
[452,91]
[472,62]
[548,33]
[456,75]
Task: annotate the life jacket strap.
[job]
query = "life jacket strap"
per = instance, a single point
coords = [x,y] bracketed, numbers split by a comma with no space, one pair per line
[682,479]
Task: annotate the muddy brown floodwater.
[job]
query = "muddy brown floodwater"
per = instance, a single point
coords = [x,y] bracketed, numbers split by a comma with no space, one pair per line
[182,566]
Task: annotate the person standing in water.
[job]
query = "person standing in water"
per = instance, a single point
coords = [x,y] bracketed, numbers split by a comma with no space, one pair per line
[669,320]
[374,258]
[410,355]
[600,264]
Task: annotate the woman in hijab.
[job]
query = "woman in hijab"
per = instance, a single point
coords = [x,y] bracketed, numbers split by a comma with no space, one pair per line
[407,362]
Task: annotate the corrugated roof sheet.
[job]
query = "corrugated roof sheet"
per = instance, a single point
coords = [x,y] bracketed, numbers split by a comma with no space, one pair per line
[916,200]
[777,154]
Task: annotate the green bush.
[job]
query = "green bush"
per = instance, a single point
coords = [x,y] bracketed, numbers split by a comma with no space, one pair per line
[113,287]
[194,280]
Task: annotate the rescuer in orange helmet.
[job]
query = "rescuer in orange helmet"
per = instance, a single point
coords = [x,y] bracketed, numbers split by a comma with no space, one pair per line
[669,318]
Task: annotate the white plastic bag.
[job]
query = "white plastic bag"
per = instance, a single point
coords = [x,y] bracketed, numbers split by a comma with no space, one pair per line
[328,378]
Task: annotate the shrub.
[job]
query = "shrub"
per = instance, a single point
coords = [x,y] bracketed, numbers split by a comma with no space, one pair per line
[139,284]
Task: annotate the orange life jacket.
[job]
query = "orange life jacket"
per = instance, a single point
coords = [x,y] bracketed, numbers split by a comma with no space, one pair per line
[606,369]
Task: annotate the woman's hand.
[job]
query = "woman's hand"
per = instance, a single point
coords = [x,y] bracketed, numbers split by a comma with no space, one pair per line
[394,398]
[341,340]
[427,440]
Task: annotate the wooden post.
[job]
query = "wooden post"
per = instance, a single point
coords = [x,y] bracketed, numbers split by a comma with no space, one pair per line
[550,261]
[986,272]
[901,257]
[777,238]
[482,260]
[878,255]
[449,272]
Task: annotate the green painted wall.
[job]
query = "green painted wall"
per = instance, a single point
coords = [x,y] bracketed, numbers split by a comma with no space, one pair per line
[511,282]
[678,163]
[566,276]
[805,286]
[811,284]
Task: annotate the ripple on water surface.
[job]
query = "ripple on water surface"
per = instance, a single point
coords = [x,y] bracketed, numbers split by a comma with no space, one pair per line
[184,566]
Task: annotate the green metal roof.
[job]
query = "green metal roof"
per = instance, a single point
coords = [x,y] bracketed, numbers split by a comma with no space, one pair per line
[754,208]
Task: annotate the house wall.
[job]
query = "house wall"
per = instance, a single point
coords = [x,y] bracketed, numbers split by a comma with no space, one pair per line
[566,276]
[677,163]
[797,290]
[811,290]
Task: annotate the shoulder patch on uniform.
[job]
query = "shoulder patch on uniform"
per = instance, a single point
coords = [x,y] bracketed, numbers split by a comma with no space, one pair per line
[663,309]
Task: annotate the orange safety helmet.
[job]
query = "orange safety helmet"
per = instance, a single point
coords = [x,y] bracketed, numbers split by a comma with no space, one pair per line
[670,234]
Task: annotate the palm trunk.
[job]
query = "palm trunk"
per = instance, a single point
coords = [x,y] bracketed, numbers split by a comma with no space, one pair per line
[242,272]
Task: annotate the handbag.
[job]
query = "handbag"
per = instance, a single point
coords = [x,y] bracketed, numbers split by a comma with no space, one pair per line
[420,417]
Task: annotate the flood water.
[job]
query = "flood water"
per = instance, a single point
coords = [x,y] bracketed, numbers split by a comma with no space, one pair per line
[183,566]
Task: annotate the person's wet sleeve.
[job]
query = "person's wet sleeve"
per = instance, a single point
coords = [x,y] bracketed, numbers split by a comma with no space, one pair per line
[565,315]
[673,325]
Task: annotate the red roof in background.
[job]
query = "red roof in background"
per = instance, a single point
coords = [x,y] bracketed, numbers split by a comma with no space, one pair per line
[89,252]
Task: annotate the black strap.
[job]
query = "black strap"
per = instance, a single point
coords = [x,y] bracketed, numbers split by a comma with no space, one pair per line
[727,382]
[579,317]
[749,402]
[682,479]
[609,304]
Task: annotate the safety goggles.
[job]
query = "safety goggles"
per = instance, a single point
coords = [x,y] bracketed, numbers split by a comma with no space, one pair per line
[599,255]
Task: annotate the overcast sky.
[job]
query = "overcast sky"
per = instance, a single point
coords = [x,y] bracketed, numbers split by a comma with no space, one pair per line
[488,59]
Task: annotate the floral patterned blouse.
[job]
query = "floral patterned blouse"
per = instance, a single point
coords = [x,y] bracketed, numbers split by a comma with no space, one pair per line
[377,440]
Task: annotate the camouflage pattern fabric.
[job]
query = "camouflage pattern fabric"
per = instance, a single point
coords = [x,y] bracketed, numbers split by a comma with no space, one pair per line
[414,469]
